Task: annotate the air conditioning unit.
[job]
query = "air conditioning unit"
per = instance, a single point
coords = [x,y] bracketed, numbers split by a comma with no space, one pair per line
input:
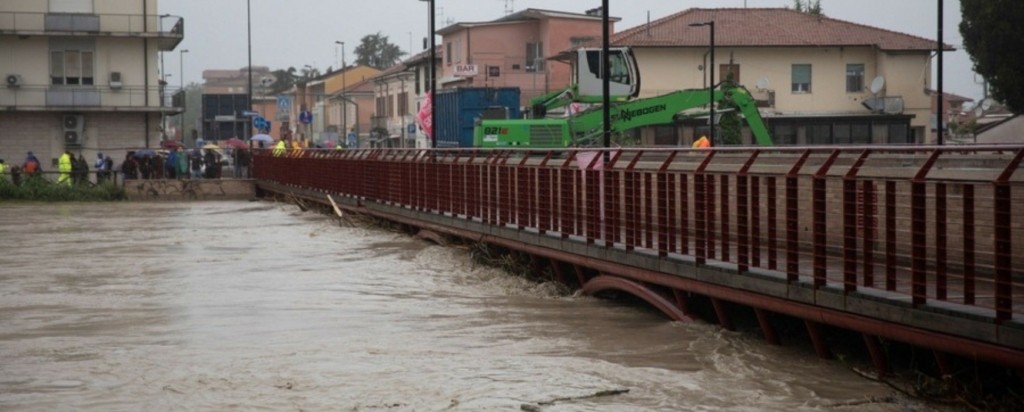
[115,80]
[74,129]
[13,81]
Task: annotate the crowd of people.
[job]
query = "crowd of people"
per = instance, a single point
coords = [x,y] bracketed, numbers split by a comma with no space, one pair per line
[180,163]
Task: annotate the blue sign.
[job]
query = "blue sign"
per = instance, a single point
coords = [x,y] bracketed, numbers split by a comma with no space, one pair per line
[411,129]
[306,117]
[351,140]
[249,113]
[261,123]
[284,103]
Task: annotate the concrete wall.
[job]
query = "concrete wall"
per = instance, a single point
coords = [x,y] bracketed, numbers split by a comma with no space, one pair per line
[178,190]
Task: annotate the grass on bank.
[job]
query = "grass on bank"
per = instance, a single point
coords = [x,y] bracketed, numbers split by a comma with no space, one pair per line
[41,189]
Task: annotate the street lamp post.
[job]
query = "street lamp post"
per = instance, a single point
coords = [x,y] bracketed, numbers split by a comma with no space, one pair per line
[711,86]
[181,67]
[433,75]
[344,103]
[248,15]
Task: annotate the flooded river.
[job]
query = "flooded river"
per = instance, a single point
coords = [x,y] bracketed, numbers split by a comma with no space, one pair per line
[257,306]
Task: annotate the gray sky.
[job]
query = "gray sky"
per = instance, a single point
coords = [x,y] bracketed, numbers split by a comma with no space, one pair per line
[300,32]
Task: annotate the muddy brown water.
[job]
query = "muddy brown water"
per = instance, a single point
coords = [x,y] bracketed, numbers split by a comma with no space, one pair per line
[258,306]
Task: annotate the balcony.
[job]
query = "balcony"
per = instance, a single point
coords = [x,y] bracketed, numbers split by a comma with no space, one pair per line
[168,30]
[100,98]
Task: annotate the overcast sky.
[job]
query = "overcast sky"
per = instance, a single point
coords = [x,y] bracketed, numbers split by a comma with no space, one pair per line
[300,32]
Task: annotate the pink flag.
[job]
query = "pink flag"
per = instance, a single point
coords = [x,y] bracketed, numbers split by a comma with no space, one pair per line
[423,116]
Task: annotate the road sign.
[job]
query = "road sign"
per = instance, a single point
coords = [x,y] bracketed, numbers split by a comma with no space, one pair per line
[411,129]
[284,103]
[260,123]
[306,117]
[249,113]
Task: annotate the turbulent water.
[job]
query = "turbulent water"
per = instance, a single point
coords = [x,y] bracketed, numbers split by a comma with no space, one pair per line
[257,306]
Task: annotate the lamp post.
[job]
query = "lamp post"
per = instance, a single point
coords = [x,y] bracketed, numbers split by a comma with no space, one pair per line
[433,75]
[711,85]
[344,88]
[248,16]
[181,67]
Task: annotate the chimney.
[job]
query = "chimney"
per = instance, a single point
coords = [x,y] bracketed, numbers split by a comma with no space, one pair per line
[597,12]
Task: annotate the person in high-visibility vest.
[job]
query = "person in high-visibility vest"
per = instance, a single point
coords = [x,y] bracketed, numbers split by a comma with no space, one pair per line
[702,143]
[64,166]
[280,148]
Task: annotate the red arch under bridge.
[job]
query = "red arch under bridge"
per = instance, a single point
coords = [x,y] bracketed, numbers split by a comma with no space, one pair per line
[921,245]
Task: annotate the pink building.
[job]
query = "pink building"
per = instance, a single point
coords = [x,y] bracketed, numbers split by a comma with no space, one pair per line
[512,51]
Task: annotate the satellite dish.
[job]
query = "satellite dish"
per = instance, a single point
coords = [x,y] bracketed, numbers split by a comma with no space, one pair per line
[978,112]
[877,85]
[268,80]
[986,104]
[762,83]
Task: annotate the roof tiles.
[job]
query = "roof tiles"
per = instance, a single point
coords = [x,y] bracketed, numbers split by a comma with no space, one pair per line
[765,27]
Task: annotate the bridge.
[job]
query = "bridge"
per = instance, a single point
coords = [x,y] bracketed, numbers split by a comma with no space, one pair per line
[918,245]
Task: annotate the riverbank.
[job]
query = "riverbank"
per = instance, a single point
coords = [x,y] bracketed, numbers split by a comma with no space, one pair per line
[40,189]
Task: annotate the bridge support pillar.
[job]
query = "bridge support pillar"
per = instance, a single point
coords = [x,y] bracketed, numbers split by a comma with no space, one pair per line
[556,268]
[817,340]
[581,274]
[681,302]
[877,355]
[942,363]
[723,316]
[764,319]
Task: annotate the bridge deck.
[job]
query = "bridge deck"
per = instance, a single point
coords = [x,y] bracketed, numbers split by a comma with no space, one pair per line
[916,239]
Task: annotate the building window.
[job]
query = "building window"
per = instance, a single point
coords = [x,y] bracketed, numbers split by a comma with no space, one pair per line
[666,135]
[391,105]
[819,134]
[898,134]
[534,57]
[724,70]
[458,51]
[403,103]
[71,68]
[854,78]
[784,134]
[448,53]
[801,78]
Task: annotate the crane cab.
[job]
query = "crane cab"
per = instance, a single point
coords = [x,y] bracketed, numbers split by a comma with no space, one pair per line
[624,79]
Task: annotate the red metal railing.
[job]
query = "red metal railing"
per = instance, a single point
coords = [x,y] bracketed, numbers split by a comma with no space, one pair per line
[936,223]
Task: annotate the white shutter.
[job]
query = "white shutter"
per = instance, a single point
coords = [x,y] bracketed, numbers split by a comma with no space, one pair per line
[71,6]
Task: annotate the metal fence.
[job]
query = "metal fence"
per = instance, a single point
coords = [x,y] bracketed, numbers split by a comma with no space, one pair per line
[930,225]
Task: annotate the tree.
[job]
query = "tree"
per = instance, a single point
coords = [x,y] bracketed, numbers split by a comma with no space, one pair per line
[808,6]
[729,123]
[375,51]
[992,37]
[193,110]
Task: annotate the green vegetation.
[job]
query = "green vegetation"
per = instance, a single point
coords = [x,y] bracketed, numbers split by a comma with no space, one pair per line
[40,189]
[376,51]
[992,37]
[812,7]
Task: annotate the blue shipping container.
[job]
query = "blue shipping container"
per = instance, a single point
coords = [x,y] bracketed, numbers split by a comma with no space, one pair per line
[457,111]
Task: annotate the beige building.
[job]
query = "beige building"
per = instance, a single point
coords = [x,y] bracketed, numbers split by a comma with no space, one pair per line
[399,93]
[82,75]
[813,75]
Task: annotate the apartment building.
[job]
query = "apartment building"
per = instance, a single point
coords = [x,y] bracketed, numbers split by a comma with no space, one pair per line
[513,51]
[819,80]
[82,75]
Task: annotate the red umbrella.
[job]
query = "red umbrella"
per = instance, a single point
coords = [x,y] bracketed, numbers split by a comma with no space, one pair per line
[236,143]
[171,144]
